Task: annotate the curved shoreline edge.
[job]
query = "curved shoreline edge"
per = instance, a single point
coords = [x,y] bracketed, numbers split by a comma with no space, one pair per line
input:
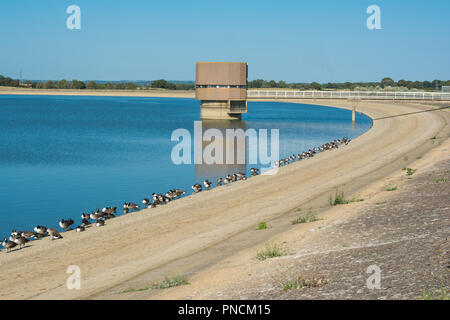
[194,224]
[190,193]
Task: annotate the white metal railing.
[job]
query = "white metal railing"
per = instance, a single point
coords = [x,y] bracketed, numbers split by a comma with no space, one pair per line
[363,95]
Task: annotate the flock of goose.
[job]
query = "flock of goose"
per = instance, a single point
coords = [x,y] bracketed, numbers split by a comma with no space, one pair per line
[20,238]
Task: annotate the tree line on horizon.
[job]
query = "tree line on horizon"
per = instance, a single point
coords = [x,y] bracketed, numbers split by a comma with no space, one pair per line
[384,84]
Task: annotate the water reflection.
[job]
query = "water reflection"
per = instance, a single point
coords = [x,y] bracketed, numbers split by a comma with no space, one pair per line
[239,149]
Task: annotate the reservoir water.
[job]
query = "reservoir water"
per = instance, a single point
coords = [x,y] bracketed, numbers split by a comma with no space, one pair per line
[61,156]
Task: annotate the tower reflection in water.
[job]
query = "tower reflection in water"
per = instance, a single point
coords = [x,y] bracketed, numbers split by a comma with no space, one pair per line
[214,171]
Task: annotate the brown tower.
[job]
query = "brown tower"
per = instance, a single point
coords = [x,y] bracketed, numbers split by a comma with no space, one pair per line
[222,89]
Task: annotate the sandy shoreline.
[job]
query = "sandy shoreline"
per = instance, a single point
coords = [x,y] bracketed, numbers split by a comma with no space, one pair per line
[161,93]
[133,246]
[403,231]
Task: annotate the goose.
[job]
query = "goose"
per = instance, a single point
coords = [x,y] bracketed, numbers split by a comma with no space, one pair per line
[85,222]
[241,176]
[161,199]
[109,210]
[95,215]
[180,192]
[65,224]
[15,233]
[80,228]
[13,237]
[109,216]
[170,195]
[28,234]
[20,241]
[133,206]
[146,201]
[100,223]
[255,171]
[197,187]
[167,197]
[8,245]
[219,182]
[226,181]
[207,184]
[85,216]
[41,231]
[54,234]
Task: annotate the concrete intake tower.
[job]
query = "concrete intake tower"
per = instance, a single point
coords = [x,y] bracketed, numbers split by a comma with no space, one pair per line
[222,89]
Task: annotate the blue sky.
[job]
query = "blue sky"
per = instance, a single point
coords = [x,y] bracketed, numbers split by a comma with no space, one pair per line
[295,41]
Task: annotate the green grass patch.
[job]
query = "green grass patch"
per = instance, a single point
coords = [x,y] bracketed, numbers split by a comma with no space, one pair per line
[136,290]
[441,294]
[406,158]
[166,283]
[339,198]
[272,250]
[440,180]
[391,188]
[262,226]
[301,282]
[410,172]
[379,203]
[170,282]
[419,157]
[309,217]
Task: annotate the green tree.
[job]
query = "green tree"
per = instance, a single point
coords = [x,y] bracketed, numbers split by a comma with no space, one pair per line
[347,85]
[258,83]
[272,84]
[49,85]
[62,84]
[401,83]
[109,85]
[91,85]
[316,86]
[387,82]
[76,84]
[281,84]
[130,86]
[163,84]
[427,84]
[436,84]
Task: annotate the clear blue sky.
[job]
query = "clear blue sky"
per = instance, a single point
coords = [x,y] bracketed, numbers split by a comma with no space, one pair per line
[295,41]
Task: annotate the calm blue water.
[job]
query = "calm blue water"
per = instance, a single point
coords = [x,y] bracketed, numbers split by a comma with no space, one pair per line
[61,156]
